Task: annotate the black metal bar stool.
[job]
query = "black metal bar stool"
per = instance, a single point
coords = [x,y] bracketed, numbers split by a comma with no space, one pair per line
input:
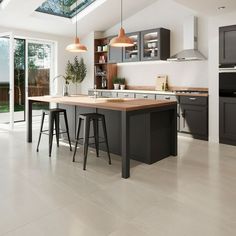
[54,119]
[88,118]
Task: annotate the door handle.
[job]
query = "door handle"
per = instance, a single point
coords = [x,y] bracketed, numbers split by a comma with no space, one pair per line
[193,99]
[167,98]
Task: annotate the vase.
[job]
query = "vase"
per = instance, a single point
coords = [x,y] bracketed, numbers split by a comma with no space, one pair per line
[66,90]
[122,87]
[116,86]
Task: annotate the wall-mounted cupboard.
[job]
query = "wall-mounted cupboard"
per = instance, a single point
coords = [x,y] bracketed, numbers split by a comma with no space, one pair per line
[132,53]
[149,45]
[227,45]
[155,44]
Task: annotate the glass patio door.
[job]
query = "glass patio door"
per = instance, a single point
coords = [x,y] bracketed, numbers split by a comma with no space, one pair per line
[7,80]
[39,68]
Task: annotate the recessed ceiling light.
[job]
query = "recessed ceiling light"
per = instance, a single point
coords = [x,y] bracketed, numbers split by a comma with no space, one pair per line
[221,8]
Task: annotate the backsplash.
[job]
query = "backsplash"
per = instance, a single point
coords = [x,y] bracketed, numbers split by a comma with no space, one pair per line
[180,74]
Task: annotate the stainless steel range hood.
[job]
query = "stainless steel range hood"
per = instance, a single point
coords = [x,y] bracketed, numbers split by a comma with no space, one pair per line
[190,52]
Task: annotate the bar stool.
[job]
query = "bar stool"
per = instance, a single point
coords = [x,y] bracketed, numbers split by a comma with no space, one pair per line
[54,118]
[88,118]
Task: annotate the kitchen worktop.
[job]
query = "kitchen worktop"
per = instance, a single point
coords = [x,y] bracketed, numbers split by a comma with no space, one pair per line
[124,104]
[186,93]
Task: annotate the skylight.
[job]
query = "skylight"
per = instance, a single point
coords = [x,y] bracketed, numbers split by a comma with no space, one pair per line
[64,8]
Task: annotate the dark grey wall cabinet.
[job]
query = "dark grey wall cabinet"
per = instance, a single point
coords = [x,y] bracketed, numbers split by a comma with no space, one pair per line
[132,53]
[155,44]
[114,53]
[228,120]
[194,116]
[227,45]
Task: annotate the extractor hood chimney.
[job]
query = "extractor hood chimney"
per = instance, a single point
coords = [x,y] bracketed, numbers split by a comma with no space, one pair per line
[190,52]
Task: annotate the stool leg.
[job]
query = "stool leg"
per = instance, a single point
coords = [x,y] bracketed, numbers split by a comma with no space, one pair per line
[67,129]
[57,128]
[96,137]
[51,126]
[41,130]
[106,139]
[86,140]
[77,138]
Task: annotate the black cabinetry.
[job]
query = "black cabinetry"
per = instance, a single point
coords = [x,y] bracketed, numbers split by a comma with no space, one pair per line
[227,45]
[155,44]
[228,120]
[149,45]
[194,116]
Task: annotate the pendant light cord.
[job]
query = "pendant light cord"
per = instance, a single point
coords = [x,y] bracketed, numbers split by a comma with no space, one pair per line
[121,12]
[76,19]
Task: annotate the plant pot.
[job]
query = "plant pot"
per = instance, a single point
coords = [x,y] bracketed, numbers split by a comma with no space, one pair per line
[122,86]
[116,86]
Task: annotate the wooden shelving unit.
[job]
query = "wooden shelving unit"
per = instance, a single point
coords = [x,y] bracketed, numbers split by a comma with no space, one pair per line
[102,70]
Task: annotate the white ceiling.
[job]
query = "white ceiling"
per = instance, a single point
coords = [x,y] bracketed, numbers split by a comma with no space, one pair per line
[209,7]
[20,14]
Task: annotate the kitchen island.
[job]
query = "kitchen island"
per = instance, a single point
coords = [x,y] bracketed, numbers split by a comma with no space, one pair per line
[147,128]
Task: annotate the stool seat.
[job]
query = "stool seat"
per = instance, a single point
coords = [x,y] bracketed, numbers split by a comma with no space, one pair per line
[88,118]
[54,110]
[54,119]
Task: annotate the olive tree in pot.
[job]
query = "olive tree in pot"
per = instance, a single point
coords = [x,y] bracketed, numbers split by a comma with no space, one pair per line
[75,73]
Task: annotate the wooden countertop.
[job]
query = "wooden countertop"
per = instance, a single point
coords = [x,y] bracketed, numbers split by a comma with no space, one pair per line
[118,104]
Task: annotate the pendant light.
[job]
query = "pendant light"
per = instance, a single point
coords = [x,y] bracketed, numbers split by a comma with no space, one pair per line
[76,46]
[122,40]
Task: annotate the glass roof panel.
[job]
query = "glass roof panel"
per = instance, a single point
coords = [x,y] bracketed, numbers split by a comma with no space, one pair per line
[64,8]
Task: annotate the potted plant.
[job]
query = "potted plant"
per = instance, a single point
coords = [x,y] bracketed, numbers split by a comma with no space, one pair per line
[116,83]
[122,83]
[75,72]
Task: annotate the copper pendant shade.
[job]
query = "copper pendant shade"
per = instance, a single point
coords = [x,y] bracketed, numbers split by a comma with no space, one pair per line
[76,46]
[122,40]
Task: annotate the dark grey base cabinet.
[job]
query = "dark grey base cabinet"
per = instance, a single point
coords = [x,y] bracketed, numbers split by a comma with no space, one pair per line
[194,116]
[228,120]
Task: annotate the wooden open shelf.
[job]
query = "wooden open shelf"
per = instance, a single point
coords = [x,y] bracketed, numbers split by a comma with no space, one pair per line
[101,64]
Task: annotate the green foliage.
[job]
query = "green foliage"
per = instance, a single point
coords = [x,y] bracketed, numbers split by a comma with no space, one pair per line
[122,81]
[76,71]
[118,80]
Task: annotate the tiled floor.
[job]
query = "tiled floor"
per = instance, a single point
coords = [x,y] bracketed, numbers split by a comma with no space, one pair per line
[192,194]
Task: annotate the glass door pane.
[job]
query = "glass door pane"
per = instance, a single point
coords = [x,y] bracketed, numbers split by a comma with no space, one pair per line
[19,79]
[39,70]
[6,79]
[150,45]
[132,53]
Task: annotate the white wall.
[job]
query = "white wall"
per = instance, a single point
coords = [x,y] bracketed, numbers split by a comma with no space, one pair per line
[88,82]
[170,15]
[214,24]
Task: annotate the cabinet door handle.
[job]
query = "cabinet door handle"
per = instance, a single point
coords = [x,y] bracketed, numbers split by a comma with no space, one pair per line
[183,114]
[193,99]
[167,98]
[126,95]
[145,96]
